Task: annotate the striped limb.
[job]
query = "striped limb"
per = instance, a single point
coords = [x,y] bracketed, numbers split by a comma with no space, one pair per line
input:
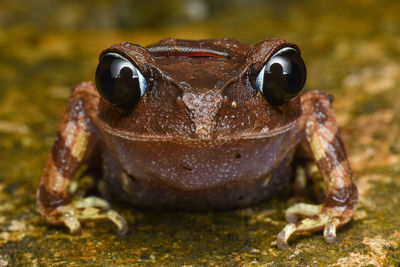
[73,148]
[323,138]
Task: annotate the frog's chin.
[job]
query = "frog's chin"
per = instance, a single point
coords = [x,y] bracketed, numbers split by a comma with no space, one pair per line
[263,133]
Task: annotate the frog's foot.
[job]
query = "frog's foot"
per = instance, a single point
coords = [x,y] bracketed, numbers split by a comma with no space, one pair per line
[87,210]
[319,218]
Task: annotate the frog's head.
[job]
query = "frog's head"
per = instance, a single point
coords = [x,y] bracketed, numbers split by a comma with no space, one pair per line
[203,89]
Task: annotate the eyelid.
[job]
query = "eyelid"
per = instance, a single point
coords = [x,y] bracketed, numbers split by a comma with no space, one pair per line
[278,53]
[283,50]
[114,55]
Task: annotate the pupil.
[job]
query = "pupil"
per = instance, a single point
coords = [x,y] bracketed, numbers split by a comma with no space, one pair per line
[107,83]
[294,79]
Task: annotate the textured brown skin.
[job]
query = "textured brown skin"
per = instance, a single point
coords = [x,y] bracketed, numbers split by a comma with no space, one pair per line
[186,145]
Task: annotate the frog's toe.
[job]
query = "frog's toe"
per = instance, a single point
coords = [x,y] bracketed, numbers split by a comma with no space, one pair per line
[89,202]
[330,230]
[119,221]
[317,222]
[73,224]
[283,236]
[305,225]
[303,209]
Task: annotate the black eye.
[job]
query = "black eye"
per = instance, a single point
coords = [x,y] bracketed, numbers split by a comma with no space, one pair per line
[282,77]
[119,82]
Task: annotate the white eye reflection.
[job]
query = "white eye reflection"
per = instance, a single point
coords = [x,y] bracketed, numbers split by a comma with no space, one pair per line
[119,67]
[285,64]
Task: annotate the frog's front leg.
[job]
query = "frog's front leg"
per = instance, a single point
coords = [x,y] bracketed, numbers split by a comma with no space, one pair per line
[74,146]
[323,138]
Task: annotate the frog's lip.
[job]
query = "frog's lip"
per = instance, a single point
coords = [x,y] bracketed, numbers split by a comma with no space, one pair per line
[133,137]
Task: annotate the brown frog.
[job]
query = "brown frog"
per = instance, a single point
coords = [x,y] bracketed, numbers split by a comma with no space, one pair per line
[203,124]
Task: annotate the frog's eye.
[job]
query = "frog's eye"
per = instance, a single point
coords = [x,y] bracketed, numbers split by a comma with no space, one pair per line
[282,77]
[119,82]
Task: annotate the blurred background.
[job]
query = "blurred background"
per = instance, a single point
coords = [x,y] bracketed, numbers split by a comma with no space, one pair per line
[351,49]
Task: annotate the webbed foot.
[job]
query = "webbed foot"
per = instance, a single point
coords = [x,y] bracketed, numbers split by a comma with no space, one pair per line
[318,218]
[87,210]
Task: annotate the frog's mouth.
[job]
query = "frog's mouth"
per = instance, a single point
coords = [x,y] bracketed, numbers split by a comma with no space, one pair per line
[264,133]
